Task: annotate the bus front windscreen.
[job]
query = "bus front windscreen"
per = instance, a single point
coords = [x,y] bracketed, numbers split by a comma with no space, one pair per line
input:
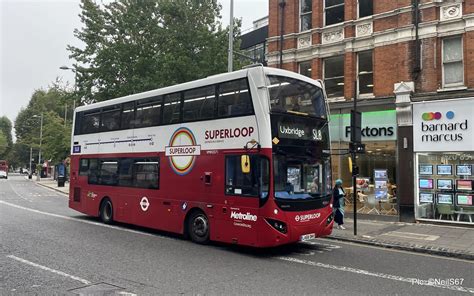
[300,177]
[288,95]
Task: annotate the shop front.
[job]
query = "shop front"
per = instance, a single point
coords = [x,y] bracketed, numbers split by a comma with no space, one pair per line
[376,183]
[443,138]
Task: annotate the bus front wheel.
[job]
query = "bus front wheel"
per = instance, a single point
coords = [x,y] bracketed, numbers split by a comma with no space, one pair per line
[198,227]
[106,211]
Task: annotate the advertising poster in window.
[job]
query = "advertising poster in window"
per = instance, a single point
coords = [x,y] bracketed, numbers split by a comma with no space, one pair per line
[363,184]
[381,179]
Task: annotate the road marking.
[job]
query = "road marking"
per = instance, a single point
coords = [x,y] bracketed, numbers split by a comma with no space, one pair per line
[16,192]
[83,221]
[412,235]
[86,282]
[412,281]
[381,248]
[321,248]
[58,193]
[327,246]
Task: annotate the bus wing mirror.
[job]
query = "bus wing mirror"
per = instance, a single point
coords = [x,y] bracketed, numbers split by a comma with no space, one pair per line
[245,164]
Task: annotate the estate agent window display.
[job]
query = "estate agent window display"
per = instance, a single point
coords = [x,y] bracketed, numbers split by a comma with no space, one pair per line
[445,187]
[443,143]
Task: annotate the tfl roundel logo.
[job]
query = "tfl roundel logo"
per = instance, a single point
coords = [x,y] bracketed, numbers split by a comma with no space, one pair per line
[436,115]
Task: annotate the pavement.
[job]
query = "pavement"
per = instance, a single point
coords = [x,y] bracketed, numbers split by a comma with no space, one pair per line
[434,239]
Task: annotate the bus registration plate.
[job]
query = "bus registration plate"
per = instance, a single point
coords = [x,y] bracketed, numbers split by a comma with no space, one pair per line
[306,237]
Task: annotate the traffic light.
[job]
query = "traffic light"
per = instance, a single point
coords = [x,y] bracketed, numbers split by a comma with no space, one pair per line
[356,123]
[355,171]
[357,148]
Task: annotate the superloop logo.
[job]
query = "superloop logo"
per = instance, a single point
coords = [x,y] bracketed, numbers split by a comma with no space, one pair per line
[182,151]
[428,116]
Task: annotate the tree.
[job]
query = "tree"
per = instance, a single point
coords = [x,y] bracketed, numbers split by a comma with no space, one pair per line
[19,155]
[27,124]
[6,132]
[134,46]
[56,133]
[3,144]
[56,138]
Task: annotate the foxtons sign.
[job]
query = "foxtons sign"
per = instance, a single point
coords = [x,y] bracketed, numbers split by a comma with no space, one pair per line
[444,125]
[376,126]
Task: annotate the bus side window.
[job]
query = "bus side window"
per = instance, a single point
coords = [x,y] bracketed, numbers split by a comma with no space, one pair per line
[125,172]
[83,167]
[148,112]
[146,173]
[91,122]
[238,183]
[199,104]
[172,108]
[78,123]
[93,171]
[128,115]
[108,172]
[234,99]
[110,118]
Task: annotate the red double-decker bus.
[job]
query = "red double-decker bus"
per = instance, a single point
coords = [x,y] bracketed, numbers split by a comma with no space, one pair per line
[3,169]
[240,157]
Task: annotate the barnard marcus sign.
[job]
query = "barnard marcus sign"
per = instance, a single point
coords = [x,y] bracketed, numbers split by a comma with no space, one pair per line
[444,125]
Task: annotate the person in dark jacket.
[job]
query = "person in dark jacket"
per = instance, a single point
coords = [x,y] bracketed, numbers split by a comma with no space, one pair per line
[338,204]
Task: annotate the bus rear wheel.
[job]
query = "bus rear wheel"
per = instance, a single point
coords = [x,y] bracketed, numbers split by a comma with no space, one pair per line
[198,227]
[106,211]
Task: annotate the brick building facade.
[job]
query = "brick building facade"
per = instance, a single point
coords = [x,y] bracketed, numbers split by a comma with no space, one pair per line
[396,53]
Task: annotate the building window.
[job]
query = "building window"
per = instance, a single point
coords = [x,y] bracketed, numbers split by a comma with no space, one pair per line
[305,15]
[255,53]
[453,73]
[334,76]
[366,8]
[304,68]
[333,11]
[365,74]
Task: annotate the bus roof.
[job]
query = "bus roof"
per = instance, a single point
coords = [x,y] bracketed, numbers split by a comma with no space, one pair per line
[198,83]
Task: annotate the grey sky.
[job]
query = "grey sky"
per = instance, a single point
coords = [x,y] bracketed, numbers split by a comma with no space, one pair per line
[33,39]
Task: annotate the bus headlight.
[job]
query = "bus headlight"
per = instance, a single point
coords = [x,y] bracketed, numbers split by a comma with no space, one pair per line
[329,219]
[278,225]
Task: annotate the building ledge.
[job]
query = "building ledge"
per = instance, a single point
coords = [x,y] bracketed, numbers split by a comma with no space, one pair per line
[445,95]
[454,88]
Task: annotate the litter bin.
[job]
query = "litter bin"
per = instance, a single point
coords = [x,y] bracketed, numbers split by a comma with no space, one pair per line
[61,175]
[61,180]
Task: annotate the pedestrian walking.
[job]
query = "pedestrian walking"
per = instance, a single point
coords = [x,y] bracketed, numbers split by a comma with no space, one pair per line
[338,204]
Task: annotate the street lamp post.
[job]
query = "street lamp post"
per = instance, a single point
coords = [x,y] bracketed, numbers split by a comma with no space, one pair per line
[75,82]
[41,135]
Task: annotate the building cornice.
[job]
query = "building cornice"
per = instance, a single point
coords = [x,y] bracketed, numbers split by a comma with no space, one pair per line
[350,23]
[407,33]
